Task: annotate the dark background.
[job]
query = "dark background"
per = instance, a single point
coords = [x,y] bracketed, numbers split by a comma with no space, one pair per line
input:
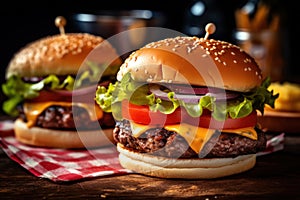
[27,20]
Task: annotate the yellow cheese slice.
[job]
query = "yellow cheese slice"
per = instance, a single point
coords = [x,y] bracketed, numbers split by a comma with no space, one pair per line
[33,109]
[195,136]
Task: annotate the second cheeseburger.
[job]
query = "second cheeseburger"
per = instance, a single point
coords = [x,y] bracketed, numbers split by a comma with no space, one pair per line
[186,108]
[50,85]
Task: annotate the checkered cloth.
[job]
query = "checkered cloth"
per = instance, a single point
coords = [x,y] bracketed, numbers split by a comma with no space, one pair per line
[62,164]
[69,165]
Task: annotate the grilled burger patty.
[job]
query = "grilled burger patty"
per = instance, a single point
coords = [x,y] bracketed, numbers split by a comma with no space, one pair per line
[59,117]
[161,142]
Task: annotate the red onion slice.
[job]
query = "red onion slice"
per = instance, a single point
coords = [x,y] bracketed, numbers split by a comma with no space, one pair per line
[188,89]
[80,92]
[193,98]
[155,89]
[224,95]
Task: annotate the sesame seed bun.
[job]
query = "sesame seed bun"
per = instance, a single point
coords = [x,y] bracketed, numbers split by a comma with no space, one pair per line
[197,60]
[60,55]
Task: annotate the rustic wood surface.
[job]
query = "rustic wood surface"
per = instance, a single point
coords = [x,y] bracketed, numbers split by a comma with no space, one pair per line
[275,176]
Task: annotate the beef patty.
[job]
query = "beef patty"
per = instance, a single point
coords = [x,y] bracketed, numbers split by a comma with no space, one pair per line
[69,118]
[161,142]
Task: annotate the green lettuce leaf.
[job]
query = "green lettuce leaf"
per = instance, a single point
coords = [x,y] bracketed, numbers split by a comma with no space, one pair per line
[138,93]
[16,90]
[261,96]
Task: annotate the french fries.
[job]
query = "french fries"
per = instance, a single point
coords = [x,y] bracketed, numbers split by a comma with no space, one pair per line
[289,96]
[243,20]
[260,21]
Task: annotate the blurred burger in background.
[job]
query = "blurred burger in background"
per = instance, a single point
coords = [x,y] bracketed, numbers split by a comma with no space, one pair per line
[186,107]
[50,86]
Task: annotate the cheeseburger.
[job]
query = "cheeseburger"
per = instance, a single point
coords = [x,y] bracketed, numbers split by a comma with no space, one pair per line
[186,107]
[50,87]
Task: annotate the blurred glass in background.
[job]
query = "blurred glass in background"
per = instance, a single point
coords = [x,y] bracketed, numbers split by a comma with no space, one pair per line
[111,22]
[258,33]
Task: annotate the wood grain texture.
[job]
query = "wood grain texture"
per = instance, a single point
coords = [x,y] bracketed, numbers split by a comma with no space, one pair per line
[275,176]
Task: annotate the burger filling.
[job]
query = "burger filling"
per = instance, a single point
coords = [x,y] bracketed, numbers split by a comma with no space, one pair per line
[60,101]
[185,121]
[67,118]
[20,89]
[161,142]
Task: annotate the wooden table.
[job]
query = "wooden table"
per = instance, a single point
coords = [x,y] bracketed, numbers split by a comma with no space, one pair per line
[275,176]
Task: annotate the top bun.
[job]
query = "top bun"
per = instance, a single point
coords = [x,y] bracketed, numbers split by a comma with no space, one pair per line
[61,54]
[196,61]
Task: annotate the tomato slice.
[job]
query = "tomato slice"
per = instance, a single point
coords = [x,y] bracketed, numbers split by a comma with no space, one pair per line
[207,121]
[143,115]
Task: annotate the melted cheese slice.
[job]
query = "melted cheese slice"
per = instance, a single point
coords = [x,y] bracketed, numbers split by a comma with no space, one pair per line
[33,110]
[197,137]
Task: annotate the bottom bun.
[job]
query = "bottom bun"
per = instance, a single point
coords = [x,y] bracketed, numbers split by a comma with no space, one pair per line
[43,137]
[206,168]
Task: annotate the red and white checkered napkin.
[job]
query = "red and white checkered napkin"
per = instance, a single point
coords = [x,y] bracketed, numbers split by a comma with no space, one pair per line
[70,165]
[274,144]
[62,164]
